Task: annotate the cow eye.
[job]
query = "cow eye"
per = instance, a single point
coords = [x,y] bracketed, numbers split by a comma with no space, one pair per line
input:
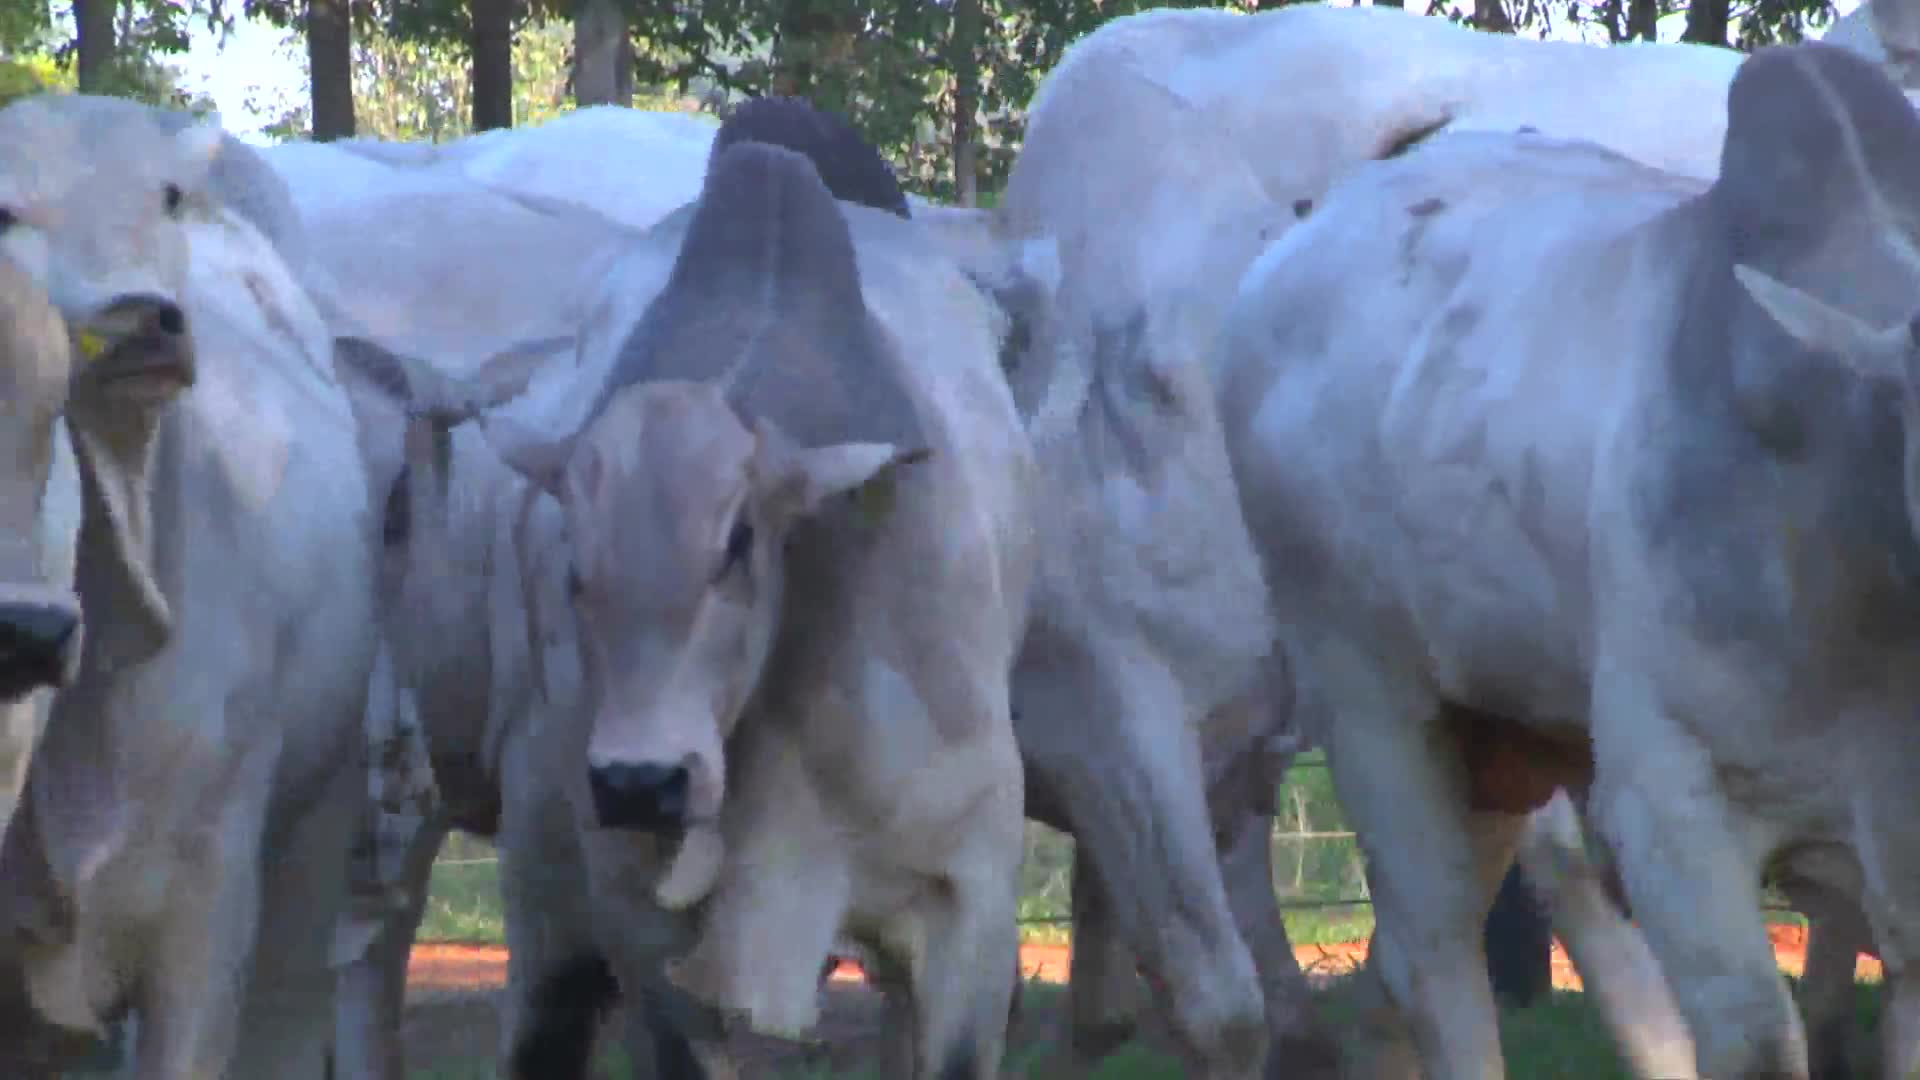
[171,196]
[575,587]
[7,219]
[739,546]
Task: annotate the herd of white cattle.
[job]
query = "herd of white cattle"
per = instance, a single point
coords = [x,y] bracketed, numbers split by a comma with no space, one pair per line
[749,550]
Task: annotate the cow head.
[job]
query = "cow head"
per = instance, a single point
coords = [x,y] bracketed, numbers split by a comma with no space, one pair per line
[93,193]
[677,511]
[1889,354]
[39,613]
[1817,185]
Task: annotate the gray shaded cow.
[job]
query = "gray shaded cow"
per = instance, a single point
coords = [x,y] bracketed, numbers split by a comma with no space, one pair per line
[462,617]
[1658,514]
[797,512]
[196,783]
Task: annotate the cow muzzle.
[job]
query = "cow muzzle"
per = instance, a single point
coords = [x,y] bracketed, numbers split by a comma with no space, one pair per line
[39,645]
[144,340]
[647,795]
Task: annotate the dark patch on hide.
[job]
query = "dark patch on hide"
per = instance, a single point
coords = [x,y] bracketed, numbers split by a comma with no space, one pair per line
[1743,397]
[1123,372]
[1302,207]
[766,297]
[850,167]
[1513,768]
[396,521]
[1403,141]
[564,1015]
[374,364]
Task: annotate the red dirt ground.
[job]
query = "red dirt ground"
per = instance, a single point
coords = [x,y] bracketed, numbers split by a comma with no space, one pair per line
[440,968]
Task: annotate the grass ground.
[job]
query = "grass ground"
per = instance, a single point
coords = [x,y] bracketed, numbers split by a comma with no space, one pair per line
[464,906]
[450,1035]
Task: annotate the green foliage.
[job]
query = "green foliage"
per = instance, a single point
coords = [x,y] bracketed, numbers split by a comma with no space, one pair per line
[32,73]
[414,89]
[891,66]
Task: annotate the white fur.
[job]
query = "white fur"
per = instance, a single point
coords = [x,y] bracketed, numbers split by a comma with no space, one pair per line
[268,567]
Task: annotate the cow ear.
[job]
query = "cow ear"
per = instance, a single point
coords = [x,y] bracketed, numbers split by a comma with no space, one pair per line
[200,142]
[541,459]
[1823,328]
[795,483]
[114,410]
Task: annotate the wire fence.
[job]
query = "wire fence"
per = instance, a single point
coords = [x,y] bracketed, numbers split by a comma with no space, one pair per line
[1319,873]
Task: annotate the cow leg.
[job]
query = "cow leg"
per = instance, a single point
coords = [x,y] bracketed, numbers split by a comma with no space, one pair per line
[1890,902]
[287,1020]
[961,992]
[1302,1047]
[1433,864]
[373,987]
[1620,974]
[1693,885]
[559,983]
[1131,787]
[189,1001]
[1826,988]
[1103,985]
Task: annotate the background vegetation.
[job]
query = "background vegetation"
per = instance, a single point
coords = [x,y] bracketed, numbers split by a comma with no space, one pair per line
[939,85]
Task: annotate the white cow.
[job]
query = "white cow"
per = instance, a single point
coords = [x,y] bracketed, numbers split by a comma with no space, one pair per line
[1204,140]
[40,619]
[631,166]
[195,787]
[1242,75]
[1653,513]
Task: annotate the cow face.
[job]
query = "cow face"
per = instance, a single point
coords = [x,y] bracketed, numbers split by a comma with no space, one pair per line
[39,614]
[677,512]
[93,195]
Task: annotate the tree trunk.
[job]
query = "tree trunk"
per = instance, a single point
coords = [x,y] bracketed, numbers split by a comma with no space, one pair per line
[492,46]
[93,44]
[1706,22]
[601,48]
[1641,18]
[330,67]
[964,60]
[1491,16]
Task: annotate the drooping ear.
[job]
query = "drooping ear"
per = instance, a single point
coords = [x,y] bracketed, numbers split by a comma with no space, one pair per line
[114,411]
[796,483]
[540,458]
[424,390]
[1821,327]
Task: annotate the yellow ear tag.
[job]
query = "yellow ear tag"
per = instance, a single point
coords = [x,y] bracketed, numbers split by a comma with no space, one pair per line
[91,345]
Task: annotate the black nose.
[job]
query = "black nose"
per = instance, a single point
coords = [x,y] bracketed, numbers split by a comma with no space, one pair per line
[169,318]
[36,646]
[640,796]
